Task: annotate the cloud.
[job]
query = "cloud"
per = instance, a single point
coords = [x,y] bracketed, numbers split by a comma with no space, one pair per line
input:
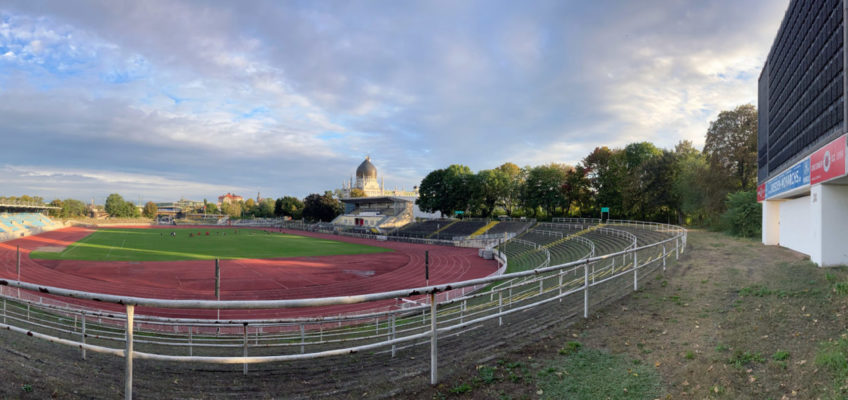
[288,98]
[65,183]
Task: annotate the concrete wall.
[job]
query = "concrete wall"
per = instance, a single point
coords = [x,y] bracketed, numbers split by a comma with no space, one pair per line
[829,220]
[771,222]
[795,226]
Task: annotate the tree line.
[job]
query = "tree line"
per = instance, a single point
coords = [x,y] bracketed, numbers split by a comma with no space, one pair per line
[639,181]
[315,207]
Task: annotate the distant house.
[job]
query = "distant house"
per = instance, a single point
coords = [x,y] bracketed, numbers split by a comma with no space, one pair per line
[229,198]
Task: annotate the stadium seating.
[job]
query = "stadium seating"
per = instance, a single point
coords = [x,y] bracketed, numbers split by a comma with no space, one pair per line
[21,224]
[460,228]
[424,228]
[510,227]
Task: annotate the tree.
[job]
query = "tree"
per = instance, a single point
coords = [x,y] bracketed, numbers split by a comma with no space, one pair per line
[513,179]
[731,147]
[605,171]
[265,209]
[321,207]
[357,192]
[432,193]
[544,187]
[233,209]
[55,213]
[130,210]
[576,190]
[743,214]
[117,207]
[689,184]
[288,206]
[211,208]
[487,189]
[150,209]
[73,208]
[636,202]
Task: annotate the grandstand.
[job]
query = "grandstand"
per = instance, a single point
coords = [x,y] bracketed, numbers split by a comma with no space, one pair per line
[375,212]
[424,228]
[20,224]
[510,226]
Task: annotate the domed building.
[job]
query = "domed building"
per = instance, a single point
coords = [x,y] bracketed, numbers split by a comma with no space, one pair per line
[367,181]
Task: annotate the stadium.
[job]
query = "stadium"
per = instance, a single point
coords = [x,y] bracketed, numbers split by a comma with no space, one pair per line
[420,292]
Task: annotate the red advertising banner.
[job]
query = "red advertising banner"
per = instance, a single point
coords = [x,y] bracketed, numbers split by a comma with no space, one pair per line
[828,162]
[761,192]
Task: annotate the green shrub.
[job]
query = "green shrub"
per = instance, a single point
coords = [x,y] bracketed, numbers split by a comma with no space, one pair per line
[744,215]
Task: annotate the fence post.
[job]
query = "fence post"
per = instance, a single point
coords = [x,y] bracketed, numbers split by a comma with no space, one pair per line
[586,290]
[635,272]
[83,335]
[500,308]
[4,310]
[190,345]
[663,256]
[394,347]
[18,263]
[302,339]
[128,353]
[462,312]
[245,347]
[676,250]
[560,285]
[434,352]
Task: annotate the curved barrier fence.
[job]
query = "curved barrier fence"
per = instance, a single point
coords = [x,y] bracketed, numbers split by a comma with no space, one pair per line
[400,318]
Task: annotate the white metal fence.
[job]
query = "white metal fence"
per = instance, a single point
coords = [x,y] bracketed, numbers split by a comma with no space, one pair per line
[399,318]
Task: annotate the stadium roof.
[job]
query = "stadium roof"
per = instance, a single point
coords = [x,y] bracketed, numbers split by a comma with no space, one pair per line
[376,199]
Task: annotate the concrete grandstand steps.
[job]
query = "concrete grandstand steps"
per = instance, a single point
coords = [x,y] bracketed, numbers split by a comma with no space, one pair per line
[442,229]
[483,230]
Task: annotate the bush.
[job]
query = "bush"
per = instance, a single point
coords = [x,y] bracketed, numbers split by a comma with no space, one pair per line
[744,215]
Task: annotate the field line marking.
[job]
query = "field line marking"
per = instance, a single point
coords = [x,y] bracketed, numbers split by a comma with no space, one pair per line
[79,241]
[113,248]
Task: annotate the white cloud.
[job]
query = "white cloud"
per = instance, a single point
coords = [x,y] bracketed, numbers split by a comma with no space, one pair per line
[62,183]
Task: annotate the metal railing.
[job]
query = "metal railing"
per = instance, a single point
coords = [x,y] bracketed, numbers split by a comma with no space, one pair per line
[398,318]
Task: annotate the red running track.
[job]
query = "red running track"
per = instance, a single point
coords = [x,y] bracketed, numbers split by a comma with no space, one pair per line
[246,279]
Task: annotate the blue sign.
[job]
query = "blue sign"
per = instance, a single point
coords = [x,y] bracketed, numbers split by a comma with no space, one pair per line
[604,209]
[792,178]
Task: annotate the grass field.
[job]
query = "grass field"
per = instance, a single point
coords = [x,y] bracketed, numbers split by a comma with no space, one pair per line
[195,244]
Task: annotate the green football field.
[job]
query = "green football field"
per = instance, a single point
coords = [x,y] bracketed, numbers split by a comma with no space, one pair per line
[194,244]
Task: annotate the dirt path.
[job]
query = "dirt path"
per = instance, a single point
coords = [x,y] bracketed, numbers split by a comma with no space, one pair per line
[711,327]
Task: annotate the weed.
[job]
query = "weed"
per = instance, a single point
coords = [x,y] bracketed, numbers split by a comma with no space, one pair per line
[841,288]
[675,300]
[664,283]
[741,359]
[570,348]
[780,355]
[832,357]
[26,387]
[487,375]
[781,364]
[594,374]
[831,278]
[460,389]
[690,355]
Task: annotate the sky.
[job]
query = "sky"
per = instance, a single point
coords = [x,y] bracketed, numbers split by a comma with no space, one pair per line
[162,100]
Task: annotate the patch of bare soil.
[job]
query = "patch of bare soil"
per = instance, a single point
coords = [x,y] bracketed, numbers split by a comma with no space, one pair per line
[732,319]
[52,249]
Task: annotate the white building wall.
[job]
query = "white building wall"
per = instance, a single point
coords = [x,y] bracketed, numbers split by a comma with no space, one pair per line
[829,209]
[795,225]
[771,222]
